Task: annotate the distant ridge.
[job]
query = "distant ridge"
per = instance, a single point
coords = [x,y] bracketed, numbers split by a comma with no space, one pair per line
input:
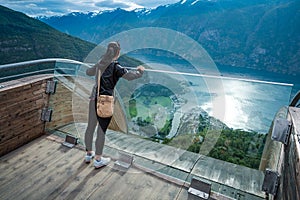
[23,38]
[259,35]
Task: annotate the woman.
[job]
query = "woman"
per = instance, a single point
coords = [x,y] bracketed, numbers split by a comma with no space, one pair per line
[111,71]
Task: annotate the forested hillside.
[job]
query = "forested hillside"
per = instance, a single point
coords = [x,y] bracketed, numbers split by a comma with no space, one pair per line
[23,38]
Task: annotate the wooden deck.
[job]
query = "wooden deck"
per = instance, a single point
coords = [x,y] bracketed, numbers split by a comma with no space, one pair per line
[44,169]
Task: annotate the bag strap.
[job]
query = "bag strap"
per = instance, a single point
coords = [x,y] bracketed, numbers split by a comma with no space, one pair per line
[99,76]
[114,72]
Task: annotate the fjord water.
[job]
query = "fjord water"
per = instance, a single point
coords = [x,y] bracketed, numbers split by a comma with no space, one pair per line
[249,105]
[248,100]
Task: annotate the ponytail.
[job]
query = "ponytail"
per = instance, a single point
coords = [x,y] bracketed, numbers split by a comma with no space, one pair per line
[112,50]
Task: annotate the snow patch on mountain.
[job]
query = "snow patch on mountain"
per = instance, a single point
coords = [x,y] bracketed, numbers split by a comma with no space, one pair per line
[183,1]
[194,2]
[142,11]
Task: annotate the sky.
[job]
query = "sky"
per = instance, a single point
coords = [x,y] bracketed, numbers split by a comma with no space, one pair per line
[35,8]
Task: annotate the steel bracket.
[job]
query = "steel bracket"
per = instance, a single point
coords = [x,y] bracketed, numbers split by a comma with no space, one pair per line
[281,130]
[70,141]
[51,87]
[124,161]
[271,182]
[46,114]
[199,188]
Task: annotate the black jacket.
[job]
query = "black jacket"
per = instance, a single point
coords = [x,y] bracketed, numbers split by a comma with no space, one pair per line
[110,76]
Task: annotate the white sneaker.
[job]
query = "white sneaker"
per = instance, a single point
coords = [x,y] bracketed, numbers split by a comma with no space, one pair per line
[101,163]
[88,158]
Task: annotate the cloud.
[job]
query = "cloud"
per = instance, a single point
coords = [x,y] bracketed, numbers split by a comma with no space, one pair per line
[154,3]
[39,7]
[60,7]
[112,4]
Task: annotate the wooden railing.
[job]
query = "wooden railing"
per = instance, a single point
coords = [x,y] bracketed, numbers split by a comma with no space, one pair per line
[21,103]
[289,165]
[23,97]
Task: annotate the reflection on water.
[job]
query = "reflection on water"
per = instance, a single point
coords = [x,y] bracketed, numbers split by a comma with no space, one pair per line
[248,105]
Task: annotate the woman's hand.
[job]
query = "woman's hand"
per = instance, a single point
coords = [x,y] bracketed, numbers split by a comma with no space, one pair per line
[140,68]
[91,71]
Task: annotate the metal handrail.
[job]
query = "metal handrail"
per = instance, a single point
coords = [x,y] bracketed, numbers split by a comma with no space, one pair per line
[62,60]
[23,65]
[40,61]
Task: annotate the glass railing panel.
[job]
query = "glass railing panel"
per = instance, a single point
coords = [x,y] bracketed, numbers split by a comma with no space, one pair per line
[70,101]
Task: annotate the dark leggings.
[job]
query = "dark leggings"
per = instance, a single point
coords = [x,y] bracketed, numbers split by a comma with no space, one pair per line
[93,120]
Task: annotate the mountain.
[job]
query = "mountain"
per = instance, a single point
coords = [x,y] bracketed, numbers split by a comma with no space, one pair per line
[256,35]
[23,38]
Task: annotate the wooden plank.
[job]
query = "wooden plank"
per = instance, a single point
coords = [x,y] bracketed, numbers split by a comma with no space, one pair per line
[19,82]
[123,142]
[22,107]
[19,96]
[63,170]
[37,164]
[162,171]
[85,183]
[135,184]
[230,175]
[21,153]
[186,160]
[20,124]
[167,155]
[295,115]
[20,140]
[34,182]
[25,159]
[75,184]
